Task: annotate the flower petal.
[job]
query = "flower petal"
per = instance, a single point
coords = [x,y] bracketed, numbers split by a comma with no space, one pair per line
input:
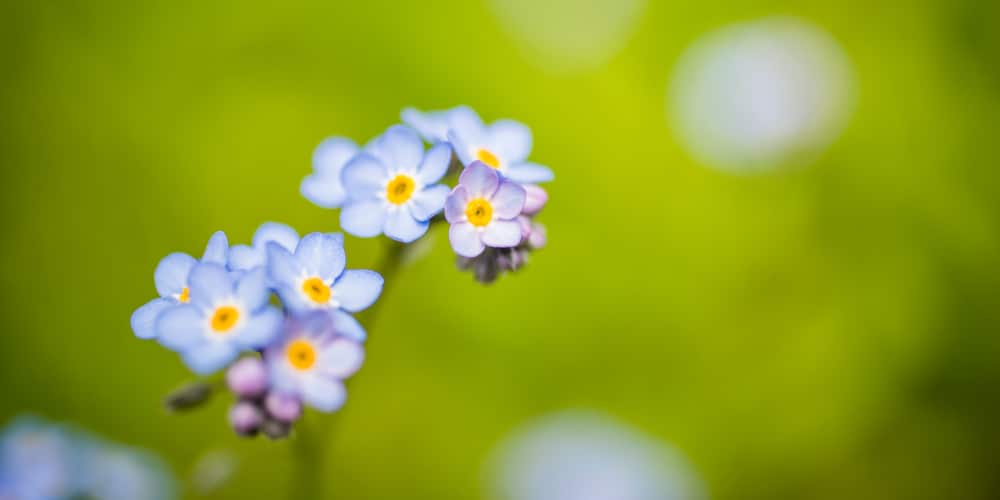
[510,140]
[252,290]
[171,275]
[341,359]
[323,394]
[363,218]
[535,200]
[364,177]
[261,329]
[502,234]
[321,255]
[465,239]
[283,268]
[454,205]
[181,327]
[466,123]
[144,318]
[332,154]
[432,125]
[404,148]
[324,190]
[210,357]
[435,164]
[245,258]
[401,226]
[210,283]
[428,202]
[217,250]
[357,289]
[277,232]
[529,173]
[480,180]
[461,147]
[344,324]
[508,200]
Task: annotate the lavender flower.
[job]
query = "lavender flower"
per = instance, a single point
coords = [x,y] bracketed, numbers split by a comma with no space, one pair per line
[483,211]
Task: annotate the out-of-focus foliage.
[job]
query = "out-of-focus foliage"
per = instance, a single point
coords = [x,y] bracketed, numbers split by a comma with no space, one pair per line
[827,331]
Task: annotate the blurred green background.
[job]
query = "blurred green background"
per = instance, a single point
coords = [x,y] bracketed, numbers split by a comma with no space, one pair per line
[824,332]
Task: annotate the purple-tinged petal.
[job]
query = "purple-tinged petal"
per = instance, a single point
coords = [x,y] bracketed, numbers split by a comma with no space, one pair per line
[535,200]
[454,205]
[435,164]
[324,394]
[363,218]
[480,180]
[502,234]
[283,407]
[509,140]
[247,377]
[428,202]
[322,256]
[209,357]
[404,147]
[357,289]
[345,325]
[528,173]
[364,177]
[260,329]
[401,226]
[341,359]
[508,201]
[465,239]
[538,236]
[217,251]
[181,327]
[171,275]
[144,318]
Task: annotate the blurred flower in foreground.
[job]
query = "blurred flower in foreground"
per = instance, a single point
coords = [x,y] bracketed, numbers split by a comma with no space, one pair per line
[758,95]
[483,211]
[565,36]
[578,455]
[40,460]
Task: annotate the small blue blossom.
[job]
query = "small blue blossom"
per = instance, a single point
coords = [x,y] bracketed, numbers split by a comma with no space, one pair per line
[247,258]
[483,211]
[503,145]
[171,278]
[314,277]
[37,461]
[392,186]
[323,187]
[312,361]
[225,316]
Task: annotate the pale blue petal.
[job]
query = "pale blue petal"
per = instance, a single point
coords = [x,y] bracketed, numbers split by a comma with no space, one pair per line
[323,394]
[509,140]
[340,359]
[244,258]
[435,164]
[210,283]
[282,267]
[528,173]
[466,123]
[277,232]
[401,226]
[404,147]
[454,205]
[502,234]
[217,250]
[508,201]
[210,357]
[428,202]
[461,148]
[465,240]
[480,180]
[144,318]
[345,324]
[357,289]
[324,190]
[332,154]
[181,327]
[171,275]
[252,290]
[293,298]
[432,125]
[364,177]
[363,218]
[337,237]
[261,329]
[321,256]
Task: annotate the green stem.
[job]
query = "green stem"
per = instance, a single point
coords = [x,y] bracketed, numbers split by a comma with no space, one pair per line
[312,434]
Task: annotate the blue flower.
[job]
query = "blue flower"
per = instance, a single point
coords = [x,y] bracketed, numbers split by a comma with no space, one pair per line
[171,277]
[314,278]
[225,316]
[38,461]
[247,258]
[392,186]
[324,187]
[312,361]
[503,145]
[483,211]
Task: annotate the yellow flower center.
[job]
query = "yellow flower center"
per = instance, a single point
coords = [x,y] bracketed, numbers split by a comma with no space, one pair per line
[224,318]
[316,290]
[400,189]
[301,354]
[479,212]
[487,157]
[185,296]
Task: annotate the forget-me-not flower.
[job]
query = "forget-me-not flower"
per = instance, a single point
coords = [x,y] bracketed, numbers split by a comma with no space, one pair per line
[37,461]
[314,277]
[392,186]
[324,187]
[171,277]
[226,315]
[313,360]
[483,211]
[246,258]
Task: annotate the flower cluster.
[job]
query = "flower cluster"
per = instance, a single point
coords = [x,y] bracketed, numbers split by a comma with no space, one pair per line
[215,310]
[46,461]
[395,186]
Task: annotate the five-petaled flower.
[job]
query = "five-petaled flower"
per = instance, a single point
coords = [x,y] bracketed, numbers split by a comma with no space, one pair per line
[392,186]
[312,360]
[224,317]
[314,277]
[483,211]
[171,278]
